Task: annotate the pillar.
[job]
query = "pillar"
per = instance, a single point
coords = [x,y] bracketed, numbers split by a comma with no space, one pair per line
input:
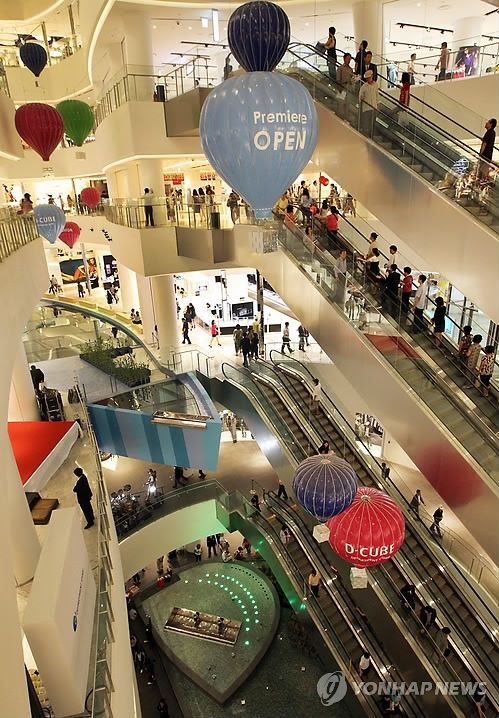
[467,31]
[138,54]
[368,25]
[165,311]
[129,291]
[22,400]
[148,173]
[146,307]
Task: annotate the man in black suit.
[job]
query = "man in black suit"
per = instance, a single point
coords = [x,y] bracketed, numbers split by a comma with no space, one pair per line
[83,496]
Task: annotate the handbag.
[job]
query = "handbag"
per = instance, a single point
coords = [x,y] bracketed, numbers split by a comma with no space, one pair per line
[320,47]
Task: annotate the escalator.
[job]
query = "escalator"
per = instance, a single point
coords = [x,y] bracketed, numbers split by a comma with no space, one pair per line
[467,427]
[476,647]
[403,167]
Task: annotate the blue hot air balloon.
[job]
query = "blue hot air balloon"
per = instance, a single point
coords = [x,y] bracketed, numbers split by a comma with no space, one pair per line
[50,221]
[258,34]
[325,485]
[259,131]
[34,57]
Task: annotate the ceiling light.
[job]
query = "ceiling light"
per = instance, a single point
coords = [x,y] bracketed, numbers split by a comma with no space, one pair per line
[204,22]
[190,27]
[216,26]
[154,27]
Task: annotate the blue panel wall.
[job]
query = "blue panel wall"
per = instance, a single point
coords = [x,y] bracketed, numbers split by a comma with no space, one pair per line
[131,433]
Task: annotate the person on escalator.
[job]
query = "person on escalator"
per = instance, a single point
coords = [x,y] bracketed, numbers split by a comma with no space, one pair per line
[390,297]
[360,59]
[344,73]
[368,101]
[438,320]
[369,65]
[427,616]
[245,348]
[419,304]
[474,353]
[408,593]
[331,53]
[465,343]
[323,448]
[486,368]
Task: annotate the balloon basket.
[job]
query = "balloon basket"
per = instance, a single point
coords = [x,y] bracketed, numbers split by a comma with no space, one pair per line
[358,577]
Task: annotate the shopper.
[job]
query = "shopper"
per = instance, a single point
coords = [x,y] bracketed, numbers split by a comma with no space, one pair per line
[438,320]
[314,582]
[285,535]
[83,496]
[162,709]
[385,470]
[148,208]
[301,339]
[323,448]
[486,368]
[81,289]
[211,544]
[360,59]
[391,289]
[474,353]
[185,330]
[408,593]
[331,53]
[53,285]
[443,62]
[465,343]
[331,223]
[411,69]
[369,65]
[305,203]
[340,276]
[233,205]
[416,502]
[364,665]
[245,348]
[487,148]
[285,339]
[315,397]
[255,345]
[281,491]
[247,546]
[237,336]
[214,333]
[437,520]
[255,500]
[179,479]
[26,203]
[442,644]
[427,616]
[405,90]
[406,293]
[369,100]
[419,304]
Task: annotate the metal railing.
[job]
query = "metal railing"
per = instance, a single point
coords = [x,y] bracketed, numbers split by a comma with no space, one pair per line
[150,84]
[16,232]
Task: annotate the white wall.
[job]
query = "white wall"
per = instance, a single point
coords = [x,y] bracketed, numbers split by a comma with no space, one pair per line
[59,617]
[10,142]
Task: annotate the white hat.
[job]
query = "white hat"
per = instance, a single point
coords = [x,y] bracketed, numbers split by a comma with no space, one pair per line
[368,74]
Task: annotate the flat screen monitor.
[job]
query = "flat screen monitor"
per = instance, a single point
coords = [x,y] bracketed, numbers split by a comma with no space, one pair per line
[243,310]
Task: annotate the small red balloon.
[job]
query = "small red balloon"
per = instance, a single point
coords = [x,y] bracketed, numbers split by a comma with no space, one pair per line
[40,126]
[370,531]
[90,196]
[70,234]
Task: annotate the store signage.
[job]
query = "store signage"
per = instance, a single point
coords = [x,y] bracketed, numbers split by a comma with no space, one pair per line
[175,178]
[207,176]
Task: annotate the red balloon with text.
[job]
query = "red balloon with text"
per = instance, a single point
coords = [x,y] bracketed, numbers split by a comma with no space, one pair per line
[90,196]
[70,234]
[40,126]
[370,531]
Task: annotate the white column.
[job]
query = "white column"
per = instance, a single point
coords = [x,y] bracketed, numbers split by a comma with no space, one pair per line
[368,24]
[22,399]
[146,307]
[129,291]
[138,53]
[467,31]
[150,174]
[165,310]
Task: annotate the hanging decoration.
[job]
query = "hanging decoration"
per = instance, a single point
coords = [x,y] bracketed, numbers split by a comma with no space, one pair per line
[324,485]
[40,126]
[78,119]
[50,221]
[34,56]
[90,196]
[258,35]
[370,531]
[259,129]
[70,234]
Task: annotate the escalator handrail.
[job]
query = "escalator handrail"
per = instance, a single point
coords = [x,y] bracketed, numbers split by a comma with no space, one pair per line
[386,95]
[394,488]
[479,425]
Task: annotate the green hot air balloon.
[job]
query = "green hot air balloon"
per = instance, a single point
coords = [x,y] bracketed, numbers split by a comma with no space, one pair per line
[78,118]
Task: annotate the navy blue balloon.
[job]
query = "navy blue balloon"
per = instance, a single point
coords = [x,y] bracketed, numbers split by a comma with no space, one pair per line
[50,221]
[258,34]
[34,56]
[325,485]
[259,131]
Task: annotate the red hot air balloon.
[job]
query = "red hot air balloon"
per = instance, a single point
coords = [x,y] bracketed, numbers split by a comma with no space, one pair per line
[370,531]
[90,196]
[40,126]
[70,234]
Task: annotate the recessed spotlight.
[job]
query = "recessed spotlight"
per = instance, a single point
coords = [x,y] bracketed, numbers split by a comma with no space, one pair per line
[154,27]
[190,27]
[307,24]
